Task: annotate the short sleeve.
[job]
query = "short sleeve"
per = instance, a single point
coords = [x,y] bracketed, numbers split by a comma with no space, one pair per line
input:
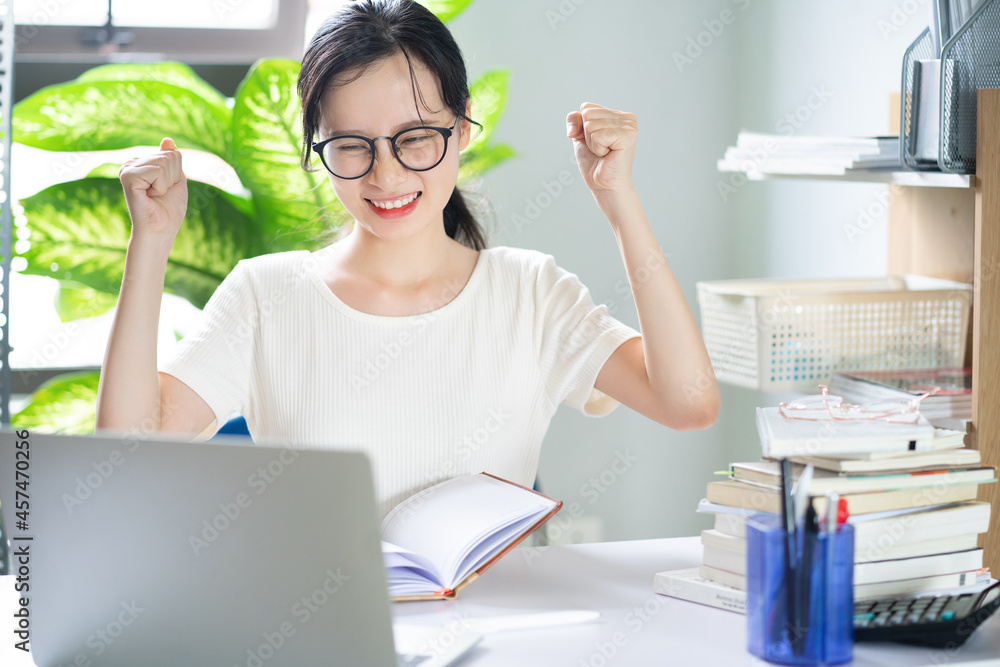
[215,359]
[574,338]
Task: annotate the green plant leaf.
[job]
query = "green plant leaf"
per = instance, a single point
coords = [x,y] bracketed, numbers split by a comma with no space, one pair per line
[80,232]
[65,404]
[446,10]
[75,301]
[174,73]
[294,206]
[124,106]
[106,170]
[474,163]
[489,99]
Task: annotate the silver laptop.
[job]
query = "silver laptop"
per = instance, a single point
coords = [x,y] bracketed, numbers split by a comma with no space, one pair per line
[225,553]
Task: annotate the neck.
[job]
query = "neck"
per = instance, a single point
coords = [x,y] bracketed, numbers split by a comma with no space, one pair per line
[404,263]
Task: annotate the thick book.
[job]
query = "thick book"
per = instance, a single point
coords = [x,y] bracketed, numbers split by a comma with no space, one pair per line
[824,481]
[862,591]
[781,436]
[765,498]
[869,572]
[866,550]
[691,585]
[440,540]
[909,461]
[930,526]
[688,585]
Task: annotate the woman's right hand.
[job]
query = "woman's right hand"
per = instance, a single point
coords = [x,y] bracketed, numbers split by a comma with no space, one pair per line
[156,193]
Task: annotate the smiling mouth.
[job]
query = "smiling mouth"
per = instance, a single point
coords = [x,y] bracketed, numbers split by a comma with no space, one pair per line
[394,203]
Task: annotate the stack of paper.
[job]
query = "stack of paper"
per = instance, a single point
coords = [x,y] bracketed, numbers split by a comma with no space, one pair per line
[758,154]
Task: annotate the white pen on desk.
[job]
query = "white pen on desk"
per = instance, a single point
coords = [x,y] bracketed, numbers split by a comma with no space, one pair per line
[832,501]
[801,493]
[530,621]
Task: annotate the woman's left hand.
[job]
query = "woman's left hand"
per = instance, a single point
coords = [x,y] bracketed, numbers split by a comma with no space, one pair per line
[604,141]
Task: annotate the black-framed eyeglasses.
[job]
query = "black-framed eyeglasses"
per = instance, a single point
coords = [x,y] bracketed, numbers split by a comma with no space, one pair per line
[351,156]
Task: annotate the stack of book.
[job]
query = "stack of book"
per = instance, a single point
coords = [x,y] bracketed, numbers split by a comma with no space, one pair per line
[758,154]
[911,502]
[949,407]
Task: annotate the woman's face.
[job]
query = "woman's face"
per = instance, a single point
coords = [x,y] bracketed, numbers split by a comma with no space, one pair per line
[381,103]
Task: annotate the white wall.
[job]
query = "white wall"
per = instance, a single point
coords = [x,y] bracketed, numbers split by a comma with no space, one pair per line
[764,60]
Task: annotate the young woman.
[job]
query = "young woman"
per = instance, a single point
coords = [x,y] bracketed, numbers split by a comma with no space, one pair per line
[407,339]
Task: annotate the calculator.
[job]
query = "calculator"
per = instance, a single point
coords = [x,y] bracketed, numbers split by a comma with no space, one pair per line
[927,620]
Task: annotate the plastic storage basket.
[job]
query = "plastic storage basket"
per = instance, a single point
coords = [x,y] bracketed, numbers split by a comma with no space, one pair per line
[791,335]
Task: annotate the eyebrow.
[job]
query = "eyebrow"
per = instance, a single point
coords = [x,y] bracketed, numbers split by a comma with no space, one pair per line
[401,126]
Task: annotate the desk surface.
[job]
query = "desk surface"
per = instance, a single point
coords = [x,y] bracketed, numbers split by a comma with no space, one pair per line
[637,626]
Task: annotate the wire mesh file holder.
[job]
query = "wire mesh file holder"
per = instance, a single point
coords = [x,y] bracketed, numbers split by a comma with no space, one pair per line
[970,60]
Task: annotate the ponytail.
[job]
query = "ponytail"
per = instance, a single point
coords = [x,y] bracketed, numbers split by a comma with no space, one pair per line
[460,224]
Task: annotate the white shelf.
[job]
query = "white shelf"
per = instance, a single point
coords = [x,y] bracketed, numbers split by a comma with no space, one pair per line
[931,179]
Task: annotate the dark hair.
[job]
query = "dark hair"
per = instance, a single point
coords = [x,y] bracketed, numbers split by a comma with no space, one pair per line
[363,33]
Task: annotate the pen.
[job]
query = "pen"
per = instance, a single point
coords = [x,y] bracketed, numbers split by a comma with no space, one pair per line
[529,621]
[788,512]
[806,568]
[788,575]
[801,494]
[832,505]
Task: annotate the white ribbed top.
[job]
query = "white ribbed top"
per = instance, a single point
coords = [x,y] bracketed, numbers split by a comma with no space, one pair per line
[465,388]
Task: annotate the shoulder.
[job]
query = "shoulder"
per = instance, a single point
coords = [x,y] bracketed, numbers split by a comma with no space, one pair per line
[273,266]
[518,261]
[533,276]
[273,261]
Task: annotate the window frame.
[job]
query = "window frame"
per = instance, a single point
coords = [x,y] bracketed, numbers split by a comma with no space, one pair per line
[58,43]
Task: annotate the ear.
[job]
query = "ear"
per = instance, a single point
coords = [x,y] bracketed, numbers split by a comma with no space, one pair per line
[466,128]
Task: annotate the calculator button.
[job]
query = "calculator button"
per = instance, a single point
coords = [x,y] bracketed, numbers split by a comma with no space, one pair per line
[863,620]
[914,617]
[881,619]
[897,618]
[961,605]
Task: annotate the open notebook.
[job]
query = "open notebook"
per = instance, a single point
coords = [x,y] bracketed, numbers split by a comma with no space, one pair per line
[440,540]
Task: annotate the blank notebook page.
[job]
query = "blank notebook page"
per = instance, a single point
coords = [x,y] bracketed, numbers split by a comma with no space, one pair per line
[446,521]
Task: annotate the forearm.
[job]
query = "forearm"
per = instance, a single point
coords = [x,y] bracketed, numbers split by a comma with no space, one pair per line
[677,363]
[129,393]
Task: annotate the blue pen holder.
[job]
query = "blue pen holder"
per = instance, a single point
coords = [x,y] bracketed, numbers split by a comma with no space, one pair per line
[805,615]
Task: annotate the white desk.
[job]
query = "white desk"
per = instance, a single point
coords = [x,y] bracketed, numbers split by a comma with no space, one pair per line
[616,578]
[637,627]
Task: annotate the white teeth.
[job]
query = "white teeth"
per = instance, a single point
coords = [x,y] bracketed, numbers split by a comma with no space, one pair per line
[399,203]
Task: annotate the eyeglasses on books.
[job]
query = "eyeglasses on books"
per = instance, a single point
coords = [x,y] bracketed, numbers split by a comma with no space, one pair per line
[825,406]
